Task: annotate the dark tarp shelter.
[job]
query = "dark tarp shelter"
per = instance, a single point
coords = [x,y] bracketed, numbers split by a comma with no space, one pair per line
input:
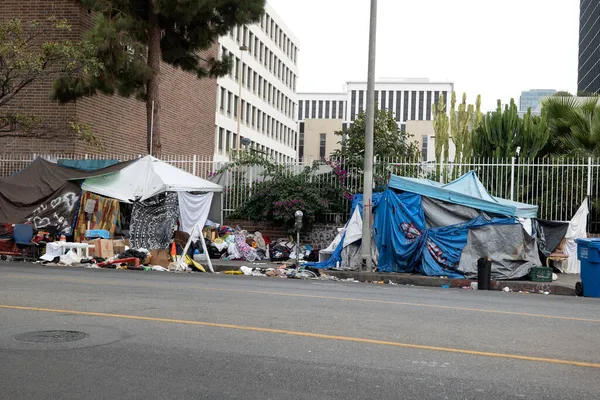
[44,193]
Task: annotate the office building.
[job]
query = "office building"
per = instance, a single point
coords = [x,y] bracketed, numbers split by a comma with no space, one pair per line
[407,99]
[533,99]
[265,70]
[589,47]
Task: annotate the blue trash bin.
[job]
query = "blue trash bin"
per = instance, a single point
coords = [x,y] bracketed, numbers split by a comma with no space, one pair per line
[588,252]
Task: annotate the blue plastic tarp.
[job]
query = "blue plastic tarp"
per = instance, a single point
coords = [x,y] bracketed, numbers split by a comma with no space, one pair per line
[87,165]
[406,245]
[467,191]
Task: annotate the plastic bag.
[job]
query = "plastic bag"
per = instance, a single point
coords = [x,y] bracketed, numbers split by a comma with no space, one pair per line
[70,258]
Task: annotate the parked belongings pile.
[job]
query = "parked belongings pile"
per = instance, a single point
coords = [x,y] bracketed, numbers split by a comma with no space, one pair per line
[441,230]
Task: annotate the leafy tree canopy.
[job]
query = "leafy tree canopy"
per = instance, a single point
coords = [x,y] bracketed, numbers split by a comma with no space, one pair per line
[30,55]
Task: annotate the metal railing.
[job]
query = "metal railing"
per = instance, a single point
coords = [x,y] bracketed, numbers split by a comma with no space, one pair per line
[557,185]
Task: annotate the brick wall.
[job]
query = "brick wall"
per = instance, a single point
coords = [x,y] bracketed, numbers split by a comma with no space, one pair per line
[187,104]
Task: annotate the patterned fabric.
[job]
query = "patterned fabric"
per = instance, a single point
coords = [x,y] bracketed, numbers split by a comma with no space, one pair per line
[246,252]
[105,216]
[153,222]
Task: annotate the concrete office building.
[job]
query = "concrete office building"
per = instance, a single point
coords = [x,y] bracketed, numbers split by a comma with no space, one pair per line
[589,47]
[265,65]
[408,99]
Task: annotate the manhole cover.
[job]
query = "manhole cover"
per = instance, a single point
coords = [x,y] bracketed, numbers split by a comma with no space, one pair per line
[50,336]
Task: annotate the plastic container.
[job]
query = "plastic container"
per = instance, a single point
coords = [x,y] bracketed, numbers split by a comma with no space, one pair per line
[588,252]
[97,234]
[484,274]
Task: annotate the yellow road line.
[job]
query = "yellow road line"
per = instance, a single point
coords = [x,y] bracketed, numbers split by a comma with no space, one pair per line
[298,295]
[310,335]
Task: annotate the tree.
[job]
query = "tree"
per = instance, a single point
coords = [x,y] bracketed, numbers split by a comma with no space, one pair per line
[503,132]
[389,141]
[133,36]
[29,56]
[574,126]
[441,125]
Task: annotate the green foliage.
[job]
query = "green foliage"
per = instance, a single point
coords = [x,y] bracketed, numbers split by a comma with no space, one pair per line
[441,126]
[388,140]
[503,132]
[574,126]
[131,37]
[280,192]
[464,121]
[29,55]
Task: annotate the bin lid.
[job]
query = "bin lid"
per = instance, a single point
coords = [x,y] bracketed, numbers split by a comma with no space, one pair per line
[591,242]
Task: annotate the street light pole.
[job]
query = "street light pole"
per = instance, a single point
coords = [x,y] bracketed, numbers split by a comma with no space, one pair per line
[237,139]
[368,169]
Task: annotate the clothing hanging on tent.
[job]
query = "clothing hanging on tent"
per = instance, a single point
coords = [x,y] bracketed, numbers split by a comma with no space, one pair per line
[193,210]
[105,216]
[153,222]
[577,230]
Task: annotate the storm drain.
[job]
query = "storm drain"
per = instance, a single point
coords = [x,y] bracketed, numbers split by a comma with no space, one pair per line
[50,336]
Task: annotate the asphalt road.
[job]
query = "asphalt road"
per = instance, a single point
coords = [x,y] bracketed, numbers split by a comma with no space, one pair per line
[197,336]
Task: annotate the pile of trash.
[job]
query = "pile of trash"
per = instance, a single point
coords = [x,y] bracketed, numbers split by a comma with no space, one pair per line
[224,242]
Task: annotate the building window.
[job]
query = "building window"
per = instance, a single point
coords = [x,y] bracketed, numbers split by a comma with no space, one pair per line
[300,110]
[361,97]
[398,105]
[314,109]
[421,104]
[223,96]
[220,139]
[235,106]
[229,103]
[353,106]
[405,97]
[227,141]
[390,101]
[436,98]
[320,109]
[341,109]
[322,144]
[327,105]
[307,109]
[383,101]
[424,145]
[429,104]
[334,110]
[413,105]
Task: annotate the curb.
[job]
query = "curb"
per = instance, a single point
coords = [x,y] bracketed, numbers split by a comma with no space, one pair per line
[427,281]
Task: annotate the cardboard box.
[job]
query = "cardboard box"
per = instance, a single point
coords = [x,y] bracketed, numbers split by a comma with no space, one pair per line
[118,247]
[161,257]
[102,248]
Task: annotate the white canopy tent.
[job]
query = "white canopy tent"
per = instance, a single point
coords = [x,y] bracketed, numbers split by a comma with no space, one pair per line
[146,178]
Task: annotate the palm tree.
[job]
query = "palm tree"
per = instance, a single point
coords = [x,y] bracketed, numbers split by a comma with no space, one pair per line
[574,126]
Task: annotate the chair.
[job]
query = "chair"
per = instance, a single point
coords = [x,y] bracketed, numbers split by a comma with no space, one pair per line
[559,255]
[23,234]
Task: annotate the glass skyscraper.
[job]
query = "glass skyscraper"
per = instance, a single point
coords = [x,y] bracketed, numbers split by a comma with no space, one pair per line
[532,98]
[589,47]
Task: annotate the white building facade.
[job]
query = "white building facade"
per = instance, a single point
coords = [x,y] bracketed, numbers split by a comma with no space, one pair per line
[408,99]
[265,65]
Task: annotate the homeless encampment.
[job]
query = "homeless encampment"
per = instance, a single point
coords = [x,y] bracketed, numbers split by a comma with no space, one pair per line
[45,195]
[424,227]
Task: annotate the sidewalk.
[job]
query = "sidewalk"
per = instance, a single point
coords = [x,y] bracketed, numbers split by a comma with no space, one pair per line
[564,286]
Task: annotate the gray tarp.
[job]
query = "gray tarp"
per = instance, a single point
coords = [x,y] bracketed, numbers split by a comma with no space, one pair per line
[439,213]
[512,250]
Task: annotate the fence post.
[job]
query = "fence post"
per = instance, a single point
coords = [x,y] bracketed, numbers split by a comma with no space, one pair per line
[194,165]
[512,179]
[589,182]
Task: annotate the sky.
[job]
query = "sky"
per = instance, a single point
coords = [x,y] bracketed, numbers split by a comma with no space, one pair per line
[493,48]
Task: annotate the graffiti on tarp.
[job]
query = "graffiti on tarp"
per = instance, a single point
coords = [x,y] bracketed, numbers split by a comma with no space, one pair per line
[322,236]
[58,212]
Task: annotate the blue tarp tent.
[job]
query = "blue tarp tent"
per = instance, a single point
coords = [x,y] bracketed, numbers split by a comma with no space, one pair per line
[467,191]
[421,226]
